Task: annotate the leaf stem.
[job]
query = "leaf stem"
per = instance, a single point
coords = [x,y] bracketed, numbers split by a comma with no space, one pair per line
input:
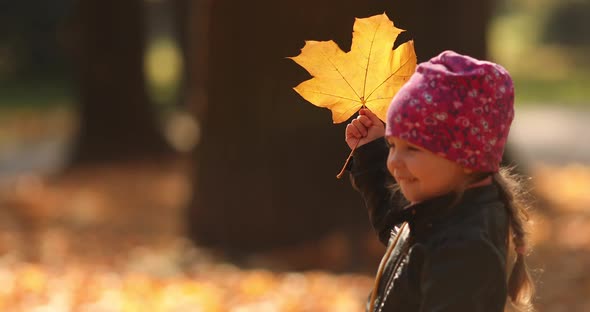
[341,173]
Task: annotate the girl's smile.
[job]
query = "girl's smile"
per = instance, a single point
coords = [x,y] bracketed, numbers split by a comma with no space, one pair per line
[401,179]
[421,174]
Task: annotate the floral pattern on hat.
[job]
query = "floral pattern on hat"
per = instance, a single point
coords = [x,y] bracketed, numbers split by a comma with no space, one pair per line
[457,107]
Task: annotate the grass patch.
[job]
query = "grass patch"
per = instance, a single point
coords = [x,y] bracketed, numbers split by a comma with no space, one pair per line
[574,91]
[543,73]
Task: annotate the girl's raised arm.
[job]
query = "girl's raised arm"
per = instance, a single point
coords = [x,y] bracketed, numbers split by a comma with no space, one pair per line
[369,174]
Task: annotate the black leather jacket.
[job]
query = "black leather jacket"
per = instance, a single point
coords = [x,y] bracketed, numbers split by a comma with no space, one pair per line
[453,259]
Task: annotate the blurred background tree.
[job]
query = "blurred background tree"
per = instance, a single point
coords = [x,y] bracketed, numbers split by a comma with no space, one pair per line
[235,81]
[224,63]
[117,118]
[30,40]
[564,23]
[261,142]
[546,55]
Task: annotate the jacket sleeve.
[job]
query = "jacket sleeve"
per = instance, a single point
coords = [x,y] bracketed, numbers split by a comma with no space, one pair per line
[465,276]
[370,177]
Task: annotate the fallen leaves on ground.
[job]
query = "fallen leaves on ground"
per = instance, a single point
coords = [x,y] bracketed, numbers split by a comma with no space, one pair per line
[209,287]
[562,237]
[105,259]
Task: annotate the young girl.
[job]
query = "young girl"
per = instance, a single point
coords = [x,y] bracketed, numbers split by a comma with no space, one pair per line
[449,229]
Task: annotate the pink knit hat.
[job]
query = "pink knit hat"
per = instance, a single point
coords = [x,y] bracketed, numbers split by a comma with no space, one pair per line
[457,107]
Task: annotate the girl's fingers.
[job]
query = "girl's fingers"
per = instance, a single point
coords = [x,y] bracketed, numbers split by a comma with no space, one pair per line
[360,127]
[369,114]
[365,121]
[364,111]
[352,131]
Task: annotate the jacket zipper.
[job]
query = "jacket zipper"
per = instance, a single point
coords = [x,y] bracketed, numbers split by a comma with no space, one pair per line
[394,273]
[381,270]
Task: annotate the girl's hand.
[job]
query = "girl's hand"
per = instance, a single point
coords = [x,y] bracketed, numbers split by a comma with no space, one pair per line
[366,128]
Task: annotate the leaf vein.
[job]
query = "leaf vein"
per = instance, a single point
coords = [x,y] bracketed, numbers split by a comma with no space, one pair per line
[341,75]
[369,62]
[333,95]
[392,74]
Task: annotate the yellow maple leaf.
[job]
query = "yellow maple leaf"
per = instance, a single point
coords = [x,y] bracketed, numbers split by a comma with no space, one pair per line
[369,75]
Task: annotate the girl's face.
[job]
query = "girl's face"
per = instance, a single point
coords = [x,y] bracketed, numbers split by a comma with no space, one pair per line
[421,174]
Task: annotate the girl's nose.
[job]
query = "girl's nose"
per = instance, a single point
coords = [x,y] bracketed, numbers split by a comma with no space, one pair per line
[394,160]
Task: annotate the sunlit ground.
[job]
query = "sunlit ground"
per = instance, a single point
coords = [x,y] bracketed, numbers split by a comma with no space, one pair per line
[96,254]
[110,239]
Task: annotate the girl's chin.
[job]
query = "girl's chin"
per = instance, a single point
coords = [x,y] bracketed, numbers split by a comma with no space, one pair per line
[410,196]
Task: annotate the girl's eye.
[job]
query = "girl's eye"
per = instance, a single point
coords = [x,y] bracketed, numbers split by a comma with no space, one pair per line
[413,149]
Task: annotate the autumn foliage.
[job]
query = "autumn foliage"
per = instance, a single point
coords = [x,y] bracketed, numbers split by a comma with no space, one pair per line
[89,263]
[370,74]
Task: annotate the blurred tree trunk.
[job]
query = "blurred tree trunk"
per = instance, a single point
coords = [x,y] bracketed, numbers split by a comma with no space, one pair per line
[117,120]
[192,32]
[267,159]
[435,26]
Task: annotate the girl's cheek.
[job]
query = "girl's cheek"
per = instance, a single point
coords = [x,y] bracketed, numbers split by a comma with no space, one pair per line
[417,160]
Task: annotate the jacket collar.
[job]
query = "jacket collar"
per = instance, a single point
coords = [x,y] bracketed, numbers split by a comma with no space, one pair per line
[422,217]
